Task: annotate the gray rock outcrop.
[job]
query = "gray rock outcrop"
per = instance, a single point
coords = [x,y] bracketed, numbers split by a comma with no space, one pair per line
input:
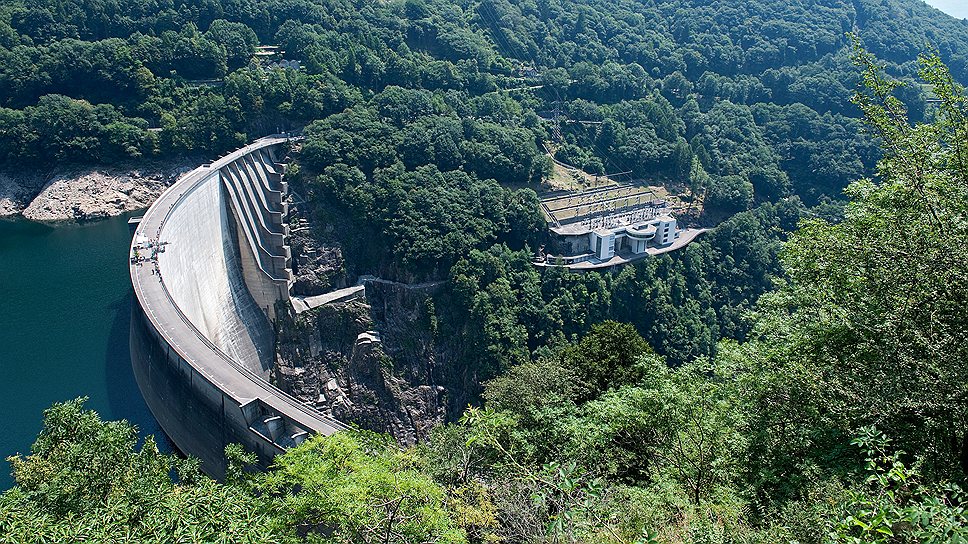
[372,363]
[14,197]
[87,193]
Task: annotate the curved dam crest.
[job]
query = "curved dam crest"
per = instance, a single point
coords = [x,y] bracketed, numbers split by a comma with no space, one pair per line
[209,265]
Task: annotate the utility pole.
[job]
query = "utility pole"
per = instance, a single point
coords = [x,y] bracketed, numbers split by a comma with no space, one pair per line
[556,121]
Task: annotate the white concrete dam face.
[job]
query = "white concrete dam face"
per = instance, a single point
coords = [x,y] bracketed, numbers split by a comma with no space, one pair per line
[202,272]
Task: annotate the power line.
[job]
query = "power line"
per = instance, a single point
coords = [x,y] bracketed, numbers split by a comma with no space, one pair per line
[488,11]
[502,42]
[499,39]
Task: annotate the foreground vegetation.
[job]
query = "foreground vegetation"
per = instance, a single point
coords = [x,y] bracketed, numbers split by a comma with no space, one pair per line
[797,375]
[840,419]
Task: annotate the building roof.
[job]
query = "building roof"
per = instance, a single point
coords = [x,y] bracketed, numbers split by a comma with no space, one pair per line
[642,230]
[579,229]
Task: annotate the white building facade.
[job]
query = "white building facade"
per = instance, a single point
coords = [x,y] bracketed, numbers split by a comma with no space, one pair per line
[603,244]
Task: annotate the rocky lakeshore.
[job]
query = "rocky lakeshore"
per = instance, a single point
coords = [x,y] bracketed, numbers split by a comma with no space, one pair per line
[13,196]
[88,193]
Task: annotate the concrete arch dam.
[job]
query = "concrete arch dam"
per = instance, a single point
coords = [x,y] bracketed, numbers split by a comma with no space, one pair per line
[209,263]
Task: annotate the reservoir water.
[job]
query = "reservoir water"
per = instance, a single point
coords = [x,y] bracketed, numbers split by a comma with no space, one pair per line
[65,299]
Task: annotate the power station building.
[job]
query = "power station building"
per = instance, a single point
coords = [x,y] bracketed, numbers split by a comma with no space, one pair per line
[609,226]
[604,243]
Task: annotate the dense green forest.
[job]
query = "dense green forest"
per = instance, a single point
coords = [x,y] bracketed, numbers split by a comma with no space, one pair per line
[758,91]
[797,375]
[840,418]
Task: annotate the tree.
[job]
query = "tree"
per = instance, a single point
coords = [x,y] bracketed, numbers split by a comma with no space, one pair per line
[211,125]
[702,423]
[237,39]
[609,357]
[893,505]
[403,106]
[872,308]
[85,480]
[729,194]
[358,488]
[698,178]
[885,285]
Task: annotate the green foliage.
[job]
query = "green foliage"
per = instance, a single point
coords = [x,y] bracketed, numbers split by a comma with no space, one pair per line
[420,222]
[755,444]
[608,470]
[499,309]
[757,91]
[359,488]
[61,129]
[893,506]
[608,357]
[730,194]
[876,299]
[615,412]
[85,481]
[238,40]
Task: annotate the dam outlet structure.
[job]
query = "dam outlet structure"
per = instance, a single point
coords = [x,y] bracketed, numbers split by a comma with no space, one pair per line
[210,266]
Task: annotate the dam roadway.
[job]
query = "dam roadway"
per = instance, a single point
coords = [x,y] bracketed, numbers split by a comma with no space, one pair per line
[209,270]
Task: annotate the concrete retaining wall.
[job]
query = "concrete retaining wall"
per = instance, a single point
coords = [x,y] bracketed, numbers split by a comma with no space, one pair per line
[202,270]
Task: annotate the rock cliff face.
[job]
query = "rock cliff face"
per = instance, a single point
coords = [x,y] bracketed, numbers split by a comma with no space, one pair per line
[83,194]
[318,268]
[372,362]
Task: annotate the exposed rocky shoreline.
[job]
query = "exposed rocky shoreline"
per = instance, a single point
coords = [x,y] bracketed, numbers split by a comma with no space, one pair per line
[81,194]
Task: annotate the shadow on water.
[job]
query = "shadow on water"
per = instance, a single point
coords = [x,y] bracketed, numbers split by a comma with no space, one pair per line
[123,396]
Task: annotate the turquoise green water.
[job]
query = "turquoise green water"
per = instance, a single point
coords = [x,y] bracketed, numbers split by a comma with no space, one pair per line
[64,313]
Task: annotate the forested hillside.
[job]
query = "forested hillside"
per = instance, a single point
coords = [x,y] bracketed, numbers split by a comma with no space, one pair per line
[757,90]
[797,375]
[841,419]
